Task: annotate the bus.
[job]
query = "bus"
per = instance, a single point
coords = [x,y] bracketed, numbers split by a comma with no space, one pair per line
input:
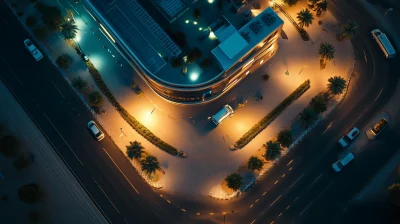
[383,43]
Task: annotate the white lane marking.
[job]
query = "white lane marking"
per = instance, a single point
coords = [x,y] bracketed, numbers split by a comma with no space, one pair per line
[328,127]
[275,200]
[63,138]
[306,208]
[290,162]
[4,21]
[296,181]
[312,184]
[123,174]
[325,189]
[108,198]
[11,71]
[378,95]
[58,90]
[365,56]
[360,149]
[253,221]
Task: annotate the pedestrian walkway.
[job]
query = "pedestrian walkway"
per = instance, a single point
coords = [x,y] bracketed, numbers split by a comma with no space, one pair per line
[65,201]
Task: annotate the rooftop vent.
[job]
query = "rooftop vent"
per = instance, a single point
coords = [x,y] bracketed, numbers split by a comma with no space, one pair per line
[256,26]
[269,19]
[245,35]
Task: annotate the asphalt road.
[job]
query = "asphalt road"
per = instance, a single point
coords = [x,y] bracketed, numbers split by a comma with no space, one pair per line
[301,188]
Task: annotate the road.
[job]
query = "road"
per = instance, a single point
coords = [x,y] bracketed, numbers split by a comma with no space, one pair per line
[301,188]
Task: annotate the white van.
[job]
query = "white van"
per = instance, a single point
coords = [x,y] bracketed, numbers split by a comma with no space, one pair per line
[338,166]
[222,114]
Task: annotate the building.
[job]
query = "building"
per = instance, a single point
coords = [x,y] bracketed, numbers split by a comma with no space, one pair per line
[184,56]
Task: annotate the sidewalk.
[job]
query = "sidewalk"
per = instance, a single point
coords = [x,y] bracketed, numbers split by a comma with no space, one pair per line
[187,128]
[65,201]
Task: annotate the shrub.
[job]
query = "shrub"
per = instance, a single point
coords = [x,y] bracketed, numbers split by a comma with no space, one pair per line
[265,121]
[40,33]
[64,61]
[31,193]
[139,128]
[9,145]
[79,83]
[318,104]
[96,99]
[290,2]
[265,77]
[273,150]
[176,62]
[308,116]
[235,181]
[206,62]
[51,15]
[285,138]
[255,163]
[193,55]
[30,21]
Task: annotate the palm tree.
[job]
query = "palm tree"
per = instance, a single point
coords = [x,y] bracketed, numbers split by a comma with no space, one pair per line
[79,83]
[273,150]
[235,181]
[285,138]
[134,150]
[312,2]
[64,61]
[69,29]
[326,52]
[255,163]
[150,164]
[305,18]
[321,6]
[349,30]
[308,116]
[290,2]
[336,85]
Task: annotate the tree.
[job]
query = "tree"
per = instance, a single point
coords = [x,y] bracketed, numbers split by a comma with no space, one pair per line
[255,163]
[285,138]
[68,29]
[273,150]
[64,61]
[234,181]
[321,6]
[40,33]
[9,145]
[23,161]
[96,99]
[79,83]
[149,165]
[336,85]
[313,2]
[290,2]
[305,18]
[30,21]
[308,116]
[348,30]
[196,13]
[31,193]
[134,150]
[394,193]
[193,55]
[326,52]
[318,104]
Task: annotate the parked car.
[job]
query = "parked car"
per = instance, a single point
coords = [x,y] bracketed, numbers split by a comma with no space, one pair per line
[349,137]
[338,165]
[33,50]
[95,130]
[376,129]
[222,114]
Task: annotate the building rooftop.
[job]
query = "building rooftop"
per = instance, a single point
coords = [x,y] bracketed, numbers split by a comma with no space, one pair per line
[172,31]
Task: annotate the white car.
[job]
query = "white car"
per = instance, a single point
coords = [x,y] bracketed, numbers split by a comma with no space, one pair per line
[338,166]
[33,50]
[95,130]
[346,140]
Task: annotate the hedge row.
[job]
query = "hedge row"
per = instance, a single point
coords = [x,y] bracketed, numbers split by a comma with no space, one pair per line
[264,122]
[135,124]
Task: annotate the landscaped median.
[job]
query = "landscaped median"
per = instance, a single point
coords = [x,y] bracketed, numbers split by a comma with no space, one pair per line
[135,124]
[264,122]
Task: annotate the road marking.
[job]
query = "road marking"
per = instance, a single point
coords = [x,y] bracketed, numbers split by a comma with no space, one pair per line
[275,200]
[295,200]
[63,139]
[183,209]
[315,180]
[325,189]
[125,221]
[108,198]
[283,175]
[378,95]
[306,208]
[251,205]
[296,181]
[290,168]
[253,221]
[123,174]
[276,182]
[264,193]
[12,71]
[211,213]
[169,201]
[4,21]
[38,106]
[360,149]
[365,56]
[58,90]
[290,162]
[287,208]
[257,200]
[280,214]
[328,127]
[198,213]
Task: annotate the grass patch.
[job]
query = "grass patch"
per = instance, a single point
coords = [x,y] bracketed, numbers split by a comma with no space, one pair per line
[264,122]
[135,124]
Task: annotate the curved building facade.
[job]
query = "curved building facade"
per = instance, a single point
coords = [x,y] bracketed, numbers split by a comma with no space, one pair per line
[227,54]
